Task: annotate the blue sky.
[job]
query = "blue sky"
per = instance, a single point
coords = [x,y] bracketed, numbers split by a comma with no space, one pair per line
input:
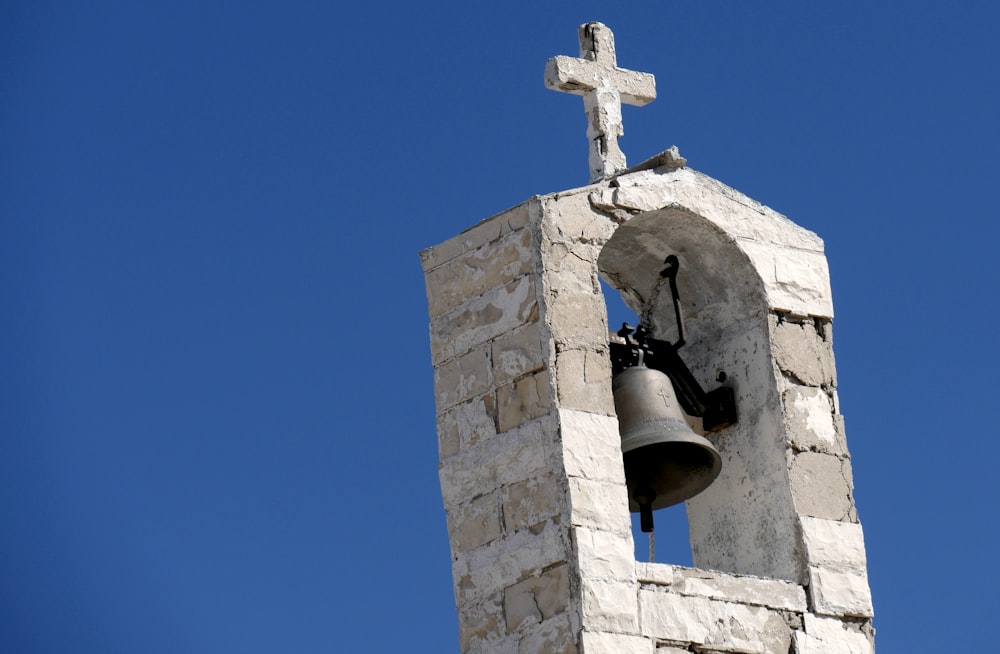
[216,403]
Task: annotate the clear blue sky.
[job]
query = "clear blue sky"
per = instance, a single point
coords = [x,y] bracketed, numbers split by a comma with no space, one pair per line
[216,409]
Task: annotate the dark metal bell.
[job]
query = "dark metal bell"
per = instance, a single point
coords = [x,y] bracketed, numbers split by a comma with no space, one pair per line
[665,462]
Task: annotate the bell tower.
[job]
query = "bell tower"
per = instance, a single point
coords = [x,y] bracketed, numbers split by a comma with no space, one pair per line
[531,452]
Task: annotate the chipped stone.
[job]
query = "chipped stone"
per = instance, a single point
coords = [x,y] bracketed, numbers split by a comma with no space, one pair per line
[583,380]
[472,274]
[821,486]
[756,591]
[591,446]
[537,598]
[840,593]
[486,231]
[605,555]
[801,353]
[810,421]
[476,322]
[523,400]
[603,642]
[833,544]
[830,636]
[554,636]
[609,605]
[463,378]
[516,354]
[474,523]
[464,425]
[712,624]
[528,502]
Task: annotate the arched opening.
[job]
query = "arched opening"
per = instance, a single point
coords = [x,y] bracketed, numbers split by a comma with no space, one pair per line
[740,523]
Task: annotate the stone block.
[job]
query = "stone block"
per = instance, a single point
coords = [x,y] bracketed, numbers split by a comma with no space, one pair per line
[591,446]
[821,486]
[834,545]
[456,282]
[474,523]
[605,555]
[537,599]
[583,380]
[603,642]
[810,421]
[599,504]
[831,636]
[505,562]
[481,623]
[755,591]
[796,281]
[609,605]
[464,425]
[657,574]
[479,320]
[517,353]
[577,319]
[525,452]
[555,636]
[571,266]
[462,378]
[711,624]
[569,218]
[840,593]
[801,353]
[486,231]
[528,502]
[524,400]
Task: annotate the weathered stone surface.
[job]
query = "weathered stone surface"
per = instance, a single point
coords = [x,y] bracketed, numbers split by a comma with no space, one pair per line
[609,605]
[537,598]
[711,624]
[603,642]
[528,502]
[576,320]
[478,321]
[474,523]
[605,555]
[801,353]
[462,378]
[756,591]
[604,87]
[591,446]
[517,353]
[599,504]
[840,593]
[466,424]
[519,454]
[797,281]
[481,623]
[733,212]
[659,574]
[833,544]
[524,400]
[810,421]
[488,230]
[821,486]
[502,563]
[830,636]
[470,275]
[583,380]
[554,636]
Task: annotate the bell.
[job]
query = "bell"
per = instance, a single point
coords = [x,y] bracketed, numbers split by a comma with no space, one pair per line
[665,462]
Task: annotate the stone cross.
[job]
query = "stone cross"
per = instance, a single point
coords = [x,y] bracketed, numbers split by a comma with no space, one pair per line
[604,86]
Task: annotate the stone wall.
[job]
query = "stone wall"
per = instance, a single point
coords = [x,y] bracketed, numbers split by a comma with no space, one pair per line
[531,468]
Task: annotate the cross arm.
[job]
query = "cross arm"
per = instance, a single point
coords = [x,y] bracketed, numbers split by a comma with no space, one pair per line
[580,76]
